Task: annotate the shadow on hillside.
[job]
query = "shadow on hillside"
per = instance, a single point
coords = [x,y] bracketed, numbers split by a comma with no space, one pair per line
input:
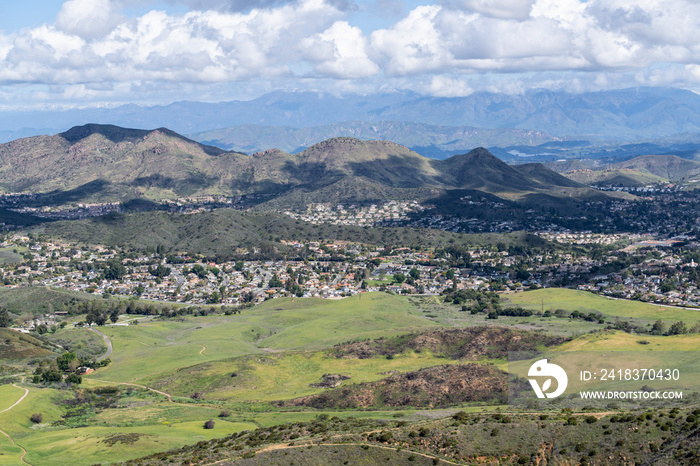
[81,193]
[183,187]
[111,132]
[311,173]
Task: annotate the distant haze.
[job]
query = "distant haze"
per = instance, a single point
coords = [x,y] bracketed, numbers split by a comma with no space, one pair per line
[292,121]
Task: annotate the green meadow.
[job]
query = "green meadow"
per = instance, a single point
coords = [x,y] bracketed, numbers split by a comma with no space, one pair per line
[584,301]
[280,376]
[622,341]
[161,346]
[245,362]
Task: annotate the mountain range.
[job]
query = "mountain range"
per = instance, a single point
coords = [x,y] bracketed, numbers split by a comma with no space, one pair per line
[107,163]
[435,126]
[638,171]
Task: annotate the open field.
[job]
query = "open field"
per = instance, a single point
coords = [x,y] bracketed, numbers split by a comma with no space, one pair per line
[276,325]
[622,341]
[280,376]
[583,301]
[9,256]
[450,315]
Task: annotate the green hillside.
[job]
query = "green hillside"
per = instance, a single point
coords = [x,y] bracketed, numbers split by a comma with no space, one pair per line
[19,348]
[37,299]
[222,231]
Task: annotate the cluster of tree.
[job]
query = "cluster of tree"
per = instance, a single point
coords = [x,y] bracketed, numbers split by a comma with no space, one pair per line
[509,311]
[64,369]
[677,328]
[5,318]
[475,301]
[160,271]
[589,317]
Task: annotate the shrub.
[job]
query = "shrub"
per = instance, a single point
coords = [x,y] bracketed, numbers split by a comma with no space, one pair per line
[36,418]
[209,424]
[224,413]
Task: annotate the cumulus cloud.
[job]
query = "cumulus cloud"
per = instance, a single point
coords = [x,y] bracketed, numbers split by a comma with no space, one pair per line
[449,47]
[88,18]
[505,9]
[340,51]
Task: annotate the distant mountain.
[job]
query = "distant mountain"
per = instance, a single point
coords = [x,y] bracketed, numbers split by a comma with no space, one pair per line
[621,115]
[639,171]
[102,162]
[429,140]
[670,167]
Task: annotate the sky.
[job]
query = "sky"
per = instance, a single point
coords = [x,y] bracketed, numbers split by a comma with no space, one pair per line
[56,54]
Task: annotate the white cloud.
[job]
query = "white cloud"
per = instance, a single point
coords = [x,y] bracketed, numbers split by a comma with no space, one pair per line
[341,52]
[411,46]
[88,18]
[446,48]
[506,9]
[445,86]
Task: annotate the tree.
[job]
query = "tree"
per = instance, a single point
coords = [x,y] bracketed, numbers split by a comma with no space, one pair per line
[450,274]
[74,378]
[160,271]
[658,328]
[275,282]
[64,360]
[5,317]
[679,328]
[414,273]
[115,270]
[199,270]
[114,315]
[51,376]
[399,278]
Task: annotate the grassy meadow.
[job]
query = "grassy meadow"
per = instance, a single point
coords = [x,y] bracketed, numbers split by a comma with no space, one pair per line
[244,363]
[161,346]
[584,301]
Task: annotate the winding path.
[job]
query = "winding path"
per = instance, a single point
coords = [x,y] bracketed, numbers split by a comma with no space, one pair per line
[107,340]
[201,353]
[167,395]
[24,452]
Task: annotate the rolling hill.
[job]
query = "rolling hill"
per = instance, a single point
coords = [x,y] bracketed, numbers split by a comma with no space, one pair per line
[108,163]
[670,167]
[638,171]
[221,231]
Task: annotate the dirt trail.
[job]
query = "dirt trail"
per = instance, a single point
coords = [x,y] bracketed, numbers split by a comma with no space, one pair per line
[24,452]
[284,446]
[107,340]
[201,353]
[167,395]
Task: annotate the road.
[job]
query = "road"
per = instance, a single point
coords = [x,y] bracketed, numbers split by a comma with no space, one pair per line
[107,340]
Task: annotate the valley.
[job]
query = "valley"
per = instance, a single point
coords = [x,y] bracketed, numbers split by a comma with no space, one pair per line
[165,301]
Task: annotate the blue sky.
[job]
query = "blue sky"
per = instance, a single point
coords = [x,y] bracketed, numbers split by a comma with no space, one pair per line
[108,52]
